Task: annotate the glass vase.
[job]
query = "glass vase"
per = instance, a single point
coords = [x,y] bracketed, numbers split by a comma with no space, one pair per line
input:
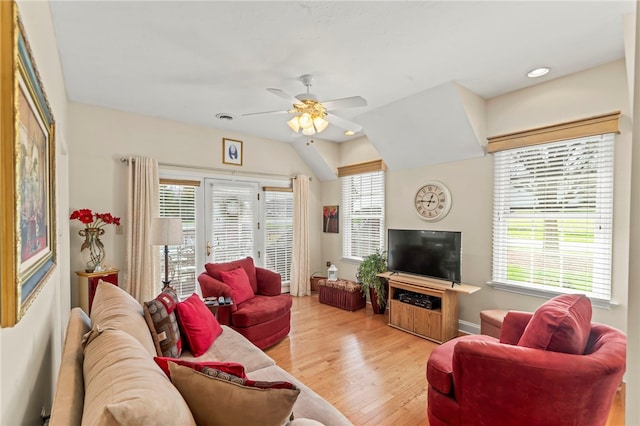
[94,254]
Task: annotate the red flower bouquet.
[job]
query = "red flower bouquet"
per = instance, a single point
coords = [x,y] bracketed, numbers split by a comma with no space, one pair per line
[94,222]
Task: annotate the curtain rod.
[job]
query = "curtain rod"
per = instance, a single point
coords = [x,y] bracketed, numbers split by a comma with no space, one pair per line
[214,169]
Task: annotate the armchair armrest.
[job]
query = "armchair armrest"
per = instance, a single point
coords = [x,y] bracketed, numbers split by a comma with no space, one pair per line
[564,385]
[212,287]
[513,326]
[269,282]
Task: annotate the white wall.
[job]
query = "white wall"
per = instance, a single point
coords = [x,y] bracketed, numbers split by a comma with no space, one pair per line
[99,137]
[599,90]
[30,351]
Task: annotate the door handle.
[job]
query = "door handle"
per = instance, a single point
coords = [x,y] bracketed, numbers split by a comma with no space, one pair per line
[209,247]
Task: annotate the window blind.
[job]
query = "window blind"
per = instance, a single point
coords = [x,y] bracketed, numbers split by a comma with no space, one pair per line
[178,200]
[363,211]
[233,221]
[553,216]
[278,220]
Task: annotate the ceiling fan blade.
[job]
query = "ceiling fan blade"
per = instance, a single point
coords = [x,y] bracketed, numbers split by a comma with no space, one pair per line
[342,122]
[284,95]
[267,112]
[351,102]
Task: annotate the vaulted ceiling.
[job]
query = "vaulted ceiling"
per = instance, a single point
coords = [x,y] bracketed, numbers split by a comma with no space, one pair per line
[188,61]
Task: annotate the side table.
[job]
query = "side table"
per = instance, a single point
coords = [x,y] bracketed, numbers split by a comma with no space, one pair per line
[88,282]
[213,306]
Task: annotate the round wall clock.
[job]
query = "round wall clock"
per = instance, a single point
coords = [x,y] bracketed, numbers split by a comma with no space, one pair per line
[433,201]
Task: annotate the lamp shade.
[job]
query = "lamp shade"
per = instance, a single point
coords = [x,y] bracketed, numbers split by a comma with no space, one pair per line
[166,231]
[293,123]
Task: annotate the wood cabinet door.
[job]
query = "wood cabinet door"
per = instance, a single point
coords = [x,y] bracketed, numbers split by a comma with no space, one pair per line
[427,323]
[403,314]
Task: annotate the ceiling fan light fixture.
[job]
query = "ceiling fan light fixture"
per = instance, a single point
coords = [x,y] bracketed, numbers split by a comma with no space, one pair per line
[349,133]
[309,131]
[320,124]
[305,120]
[294,124]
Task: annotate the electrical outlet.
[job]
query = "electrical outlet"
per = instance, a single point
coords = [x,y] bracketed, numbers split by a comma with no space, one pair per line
[328,263]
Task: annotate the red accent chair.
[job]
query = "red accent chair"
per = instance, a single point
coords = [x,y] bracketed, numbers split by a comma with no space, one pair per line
[264,319]
[535,374]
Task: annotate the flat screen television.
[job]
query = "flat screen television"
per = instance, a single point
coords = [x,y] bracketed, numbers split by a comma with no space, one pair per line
[433,254]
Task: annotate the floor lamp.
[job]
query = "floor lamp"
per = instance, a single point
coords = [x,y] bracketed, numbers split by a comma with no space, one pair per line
[166,232]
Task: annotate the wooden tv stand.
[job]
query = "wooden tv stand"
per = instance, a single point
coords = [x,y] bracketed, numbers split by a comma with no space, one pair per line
[440,324]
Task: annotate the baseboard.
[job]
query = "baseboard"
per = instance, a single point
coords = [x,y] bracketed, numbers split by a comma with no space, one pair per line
[468,327]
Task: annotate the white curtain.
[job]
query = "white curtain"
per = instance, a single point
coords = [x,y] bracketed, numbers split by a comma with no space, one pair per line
[141,264]
[300,285]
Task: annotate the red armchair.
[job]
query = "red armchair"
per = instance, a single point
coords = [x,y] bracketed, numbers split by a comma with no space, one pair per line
[265,318]
[480,380]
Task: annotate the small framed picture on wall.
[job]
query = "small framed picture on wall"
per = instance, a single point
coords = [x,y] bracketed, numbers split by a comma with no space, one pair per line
[232,152]
[330,219]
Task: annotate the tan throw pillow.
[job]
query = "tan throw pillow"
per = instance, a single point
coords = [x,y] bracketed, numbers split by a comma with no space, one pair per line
[124,386]
[115,308]
[235,403]
[161,318]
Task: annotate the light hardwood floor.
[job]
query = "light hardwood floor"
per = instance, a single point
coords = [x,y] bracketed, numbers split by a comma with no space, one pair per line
[373,374]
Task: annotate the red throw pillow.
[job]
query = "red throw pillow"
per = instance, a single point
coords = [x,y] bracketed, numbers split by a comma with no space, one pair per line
[228,367]
[198,325]
[238,280]
[247,264]
[561,324]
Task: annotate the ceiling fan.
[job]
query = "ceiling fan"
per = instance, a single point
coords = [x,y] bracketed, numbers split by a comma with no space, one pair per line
[312,116]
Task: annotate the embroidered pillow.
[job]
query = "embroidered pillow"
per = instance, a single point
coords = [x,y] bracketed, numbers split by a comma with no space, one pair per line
[238,280]
[163,324]
[197,324]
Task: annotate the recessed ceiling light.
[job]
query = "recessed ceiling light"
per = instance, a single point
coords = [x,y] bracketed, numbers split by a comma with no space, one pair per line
[225,116]
[538,72]
[349,133]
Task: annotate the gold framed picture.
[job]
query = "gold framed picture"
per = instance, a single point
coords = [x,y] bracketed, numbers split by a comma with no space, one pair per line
[231,152]
[27,160]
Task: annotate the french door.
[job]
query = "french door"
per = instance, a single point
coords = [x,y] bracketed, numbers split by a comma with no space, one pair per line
[231,221]
[225,220]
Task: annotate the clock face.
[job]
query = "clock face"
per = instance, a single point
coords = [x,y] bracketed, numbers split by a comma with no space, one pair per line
[433,201]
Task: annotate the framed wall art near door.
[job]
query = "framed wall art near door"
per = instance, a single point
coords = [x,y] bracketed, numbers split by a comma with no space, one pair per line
[27,175]
[231,152]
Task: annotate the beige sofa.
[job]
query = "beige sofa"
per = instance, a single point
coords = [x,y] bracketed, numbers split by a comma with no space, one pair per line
[108,375]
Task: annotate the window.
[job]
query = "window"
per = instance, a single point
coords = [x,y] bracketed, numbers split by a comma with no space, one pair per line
[278,229]
[178,199]
[363,210]
[553,216]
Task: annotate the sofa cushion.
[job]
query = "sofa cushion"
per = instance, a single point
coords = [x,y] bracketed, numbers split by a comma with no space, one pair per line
[123,386]
[561,324]
[163,324]
[230,345]
[115,308]
[69,395]
[247,264]
[238,280]
[261,309]
[309,404]
[199,326]
[227,367]
[235,403]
